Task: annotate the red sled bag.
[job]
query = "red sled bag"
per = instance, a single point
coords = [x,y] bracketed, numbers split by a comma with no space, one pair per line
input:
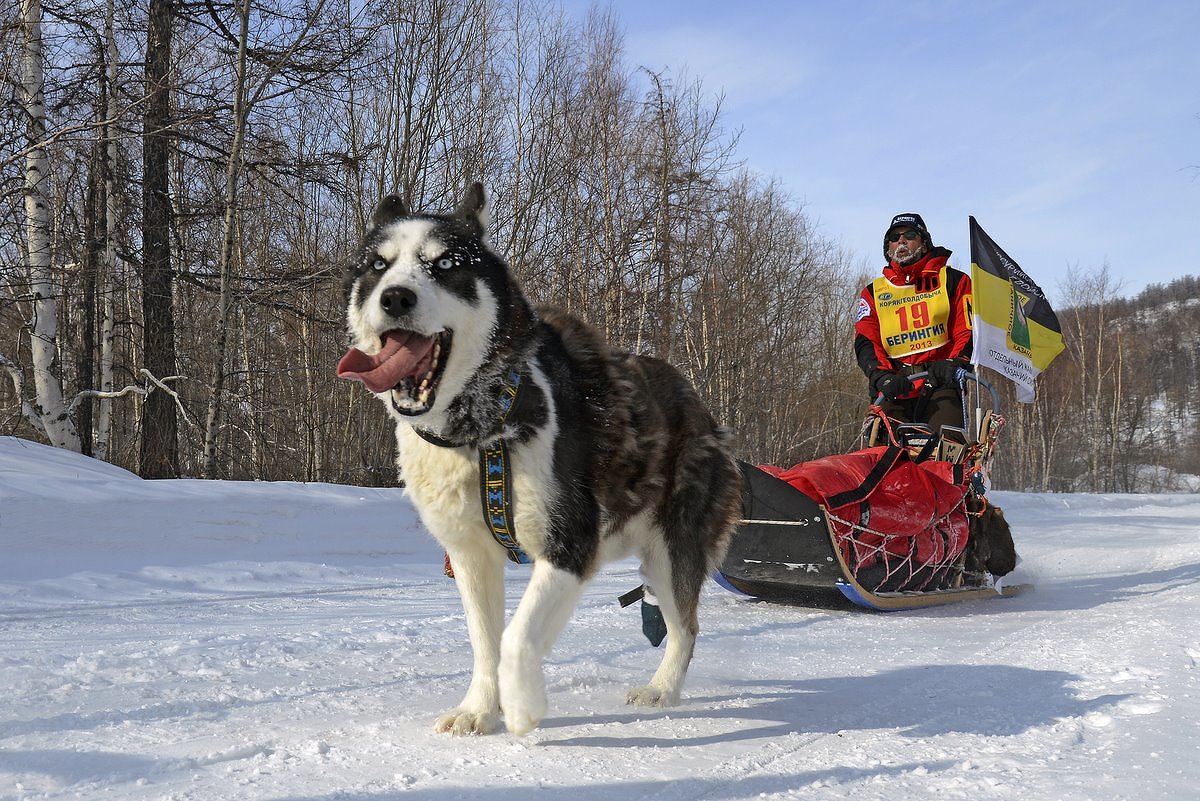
[900,525]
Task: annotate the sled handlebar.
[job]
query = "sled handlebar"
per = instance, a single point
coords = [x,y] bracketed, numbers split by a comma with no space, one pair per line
[960,374]
[991,390]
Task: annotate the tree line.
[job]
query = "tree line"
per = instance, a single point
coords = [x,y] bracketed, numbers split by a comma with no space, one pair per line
[1119,410]
[184,180]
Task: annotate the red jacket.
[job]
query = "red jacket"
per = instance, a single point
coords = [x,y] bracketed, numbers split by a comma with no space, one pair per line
[923,275]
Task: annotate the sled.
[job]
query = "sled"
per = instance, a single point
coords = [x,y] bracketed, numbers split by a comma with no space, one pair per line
[856,530]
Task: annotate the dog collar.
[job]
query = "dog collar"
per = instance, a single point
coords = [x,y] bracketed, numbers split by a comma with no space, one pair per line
[510,387]
[434,439]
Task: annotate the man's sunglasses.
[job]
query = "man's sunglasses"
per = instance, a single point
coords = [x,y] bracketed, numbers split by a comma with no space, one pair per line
[911,236]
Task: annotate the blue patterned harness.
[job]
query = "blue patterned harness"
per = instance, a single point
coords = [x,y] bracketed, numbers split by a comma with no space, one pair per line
[495,475]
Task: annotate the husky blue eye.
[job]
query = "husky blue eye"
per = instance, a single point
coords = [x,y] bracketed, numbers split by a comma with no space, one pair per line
[445,262]
[379,264]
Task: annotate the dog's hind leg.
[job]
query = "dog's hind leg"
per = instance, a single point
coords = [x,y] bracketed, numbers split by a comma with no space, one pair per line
[696,524]
[678,593]
[479,574]
[544,610]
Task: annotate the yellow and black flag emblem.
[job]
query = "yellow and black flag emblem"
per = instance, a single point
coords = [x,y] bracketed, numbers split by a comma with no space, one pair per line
[1016,332]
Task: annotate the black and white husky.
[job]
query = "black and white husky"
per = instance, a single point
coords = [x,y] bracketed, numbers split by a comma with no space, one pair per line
[606,454]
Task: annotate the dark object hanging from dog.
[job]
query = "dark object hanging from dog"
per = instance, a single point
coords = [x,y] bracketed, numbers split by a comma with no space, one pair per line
[654,626]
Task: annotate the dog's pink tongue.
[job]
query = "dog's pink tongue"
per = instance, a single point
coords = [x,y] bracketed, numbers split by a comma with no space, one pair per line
[403,355]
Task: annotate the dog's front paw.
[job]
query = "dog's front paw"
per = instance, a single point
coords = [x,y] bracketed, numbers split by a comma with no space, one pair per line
[523,697]
[522,690]
[523,721]
[651,696]
[461,722]
[524,708]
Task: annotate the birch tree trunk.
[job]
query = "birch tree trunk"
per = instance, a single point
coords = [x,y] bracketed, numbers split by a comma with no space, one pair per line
[106,285]
[54,418]
[85,296]
[660,244]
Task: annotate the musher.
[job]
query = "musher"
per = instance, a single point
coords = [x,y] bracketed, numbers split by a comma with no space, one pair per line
[915,317]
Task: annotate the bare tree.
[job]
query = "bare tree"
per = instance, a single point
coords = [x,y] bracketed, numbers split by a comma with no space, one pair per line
[197,225]
[48,412]
[1090,342]
[106,283]
[160,441]
[249,91]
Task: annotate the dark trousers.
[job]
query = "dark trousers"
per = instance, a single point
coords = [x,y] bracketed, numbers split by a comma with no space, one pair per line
[941,407]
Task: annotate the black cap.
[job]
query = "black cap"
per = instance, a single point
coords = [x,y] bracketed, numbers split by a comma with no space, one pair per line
[908,219]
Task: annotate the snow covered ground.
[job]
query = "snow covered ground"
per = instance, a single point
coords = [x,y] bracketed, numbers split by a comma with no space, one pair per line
[219,640]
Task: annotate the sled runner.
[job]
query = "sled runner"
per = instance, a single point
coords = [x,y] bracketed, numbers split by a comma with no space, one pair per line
[899,525]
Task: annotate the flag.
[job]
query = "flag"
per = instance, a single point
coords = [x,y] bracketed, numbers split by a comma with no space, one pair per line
[1015,331]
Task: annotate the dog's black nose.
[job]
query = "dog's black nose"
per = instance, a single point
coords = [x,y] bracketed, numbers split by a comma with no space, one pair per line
[398,300]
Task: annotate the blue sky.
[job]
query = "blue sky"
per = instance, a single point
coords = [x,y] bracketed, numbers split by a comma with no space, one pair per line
[1070,130]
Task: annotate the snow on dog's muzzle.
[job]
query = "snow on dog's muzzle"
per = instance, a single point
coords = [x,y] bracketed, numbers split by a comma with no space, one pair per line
[408,364]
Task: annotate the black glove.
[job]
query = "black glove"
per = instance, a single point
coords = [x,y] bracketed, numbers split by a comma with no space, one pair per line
[944,372]
[891,385]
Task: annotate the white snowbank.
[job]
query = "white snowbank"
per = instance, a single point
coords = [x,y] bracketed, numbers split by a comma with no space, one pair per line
[220,640]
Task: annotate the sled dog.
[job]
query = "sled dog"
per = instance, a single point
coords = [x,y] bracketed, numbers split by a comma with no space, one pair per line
[521,435]
[990,547]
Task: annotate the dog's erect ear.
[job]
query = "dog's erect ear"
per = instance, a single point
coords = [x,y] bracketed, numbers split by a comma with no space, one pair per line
[474,210]
[390,209]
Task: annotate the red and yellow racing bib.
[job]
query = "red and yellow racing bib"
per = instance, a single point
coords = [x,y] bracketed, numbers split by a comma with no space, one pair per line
[911,321]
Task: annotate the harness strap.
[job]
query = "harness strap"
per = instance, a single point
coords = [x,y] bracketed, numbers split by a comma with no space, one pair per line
[495,476]
[870,482]
[495,479]
[927,451]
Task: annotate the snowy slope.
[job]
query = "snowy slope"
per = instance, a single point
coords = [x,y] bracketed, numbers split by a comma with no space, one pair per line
[219,640]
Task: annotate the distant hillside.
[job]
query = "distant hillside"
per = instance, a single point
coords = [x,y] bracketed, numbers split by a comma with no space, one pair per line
[1119,411]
